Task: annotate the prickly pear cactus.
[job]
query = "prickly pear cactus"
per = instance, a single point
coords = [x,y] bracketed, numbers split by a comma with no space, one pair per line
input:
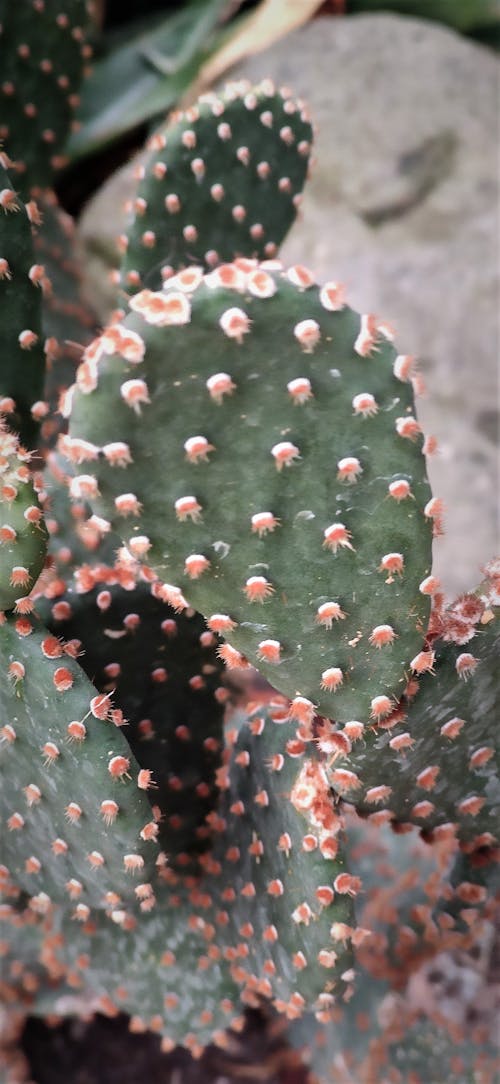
[43,55]
[22,362]
[434,762]
[255,925]
[23,536]
[165,676]
[289,914]
[73,799]
[162,969]
[378,1036]
[67,320]
[222,180]
[253,440]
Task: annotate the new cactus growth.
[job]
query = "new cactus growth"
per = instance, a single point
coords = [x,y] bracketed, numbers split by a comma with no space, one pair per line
[243,481]
[222,180]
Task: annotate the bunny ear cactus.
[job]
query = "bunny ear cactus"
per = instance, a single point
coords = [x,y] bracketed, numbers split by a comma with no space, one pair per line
[22,364]
[288,915]
[23,536]
[380,1036]
[159,969]
[71,794]
[68,323]
[75,537]
[164,675]
[44,52]
[395,1027]
[254,441]
[223,179]
[434,761]
[246,929]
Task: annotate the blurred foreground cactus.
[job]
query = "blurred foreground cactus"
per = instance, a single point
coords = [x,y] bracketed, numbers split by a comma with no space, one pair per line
[239,481]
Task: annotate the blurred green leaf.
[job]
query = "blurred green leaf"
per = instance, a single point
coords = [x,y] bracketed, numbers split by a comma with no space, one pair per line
[464,15]
[145,76]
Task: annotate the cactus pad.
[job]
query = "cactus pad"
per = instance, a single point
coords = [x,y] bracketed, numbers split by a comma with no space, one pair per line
[222,180]
[22,361]
[23,536]
[264,459]
[434,762]
[71,802]
[165,676]
[43,55]
[68,323]
[282,886]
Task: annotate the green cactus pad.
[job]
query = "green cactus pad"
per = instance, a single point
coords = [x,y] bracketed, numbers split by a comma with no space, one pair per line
[280,883]
[379,1038]
[22,360]
[222,180]
[165,676]
[75,540]
[23,536]
[157,970]
[68,322]
[72,809]
[435,761]
[43,56]
[265,460]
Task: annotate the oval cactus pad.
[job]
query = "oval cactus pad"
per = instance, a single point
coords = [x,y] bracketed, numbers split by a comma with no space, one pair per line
[253,440]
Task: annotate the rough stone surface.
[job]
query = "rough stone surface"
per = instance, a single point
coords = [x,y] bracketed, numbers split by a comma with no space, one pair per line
[403,207]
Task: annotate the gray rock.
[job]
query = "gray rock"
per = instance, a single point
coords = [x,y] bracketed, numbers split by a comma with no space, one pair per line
[403,206]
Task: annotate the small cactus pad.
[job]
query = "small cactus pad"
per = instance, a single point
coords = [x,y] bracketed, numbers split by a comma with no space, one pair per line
[23,536]
[434,761]
[279,879]
[266,457]
[222,180]
[72,807]
[43,55]
[22,359]
[165,676]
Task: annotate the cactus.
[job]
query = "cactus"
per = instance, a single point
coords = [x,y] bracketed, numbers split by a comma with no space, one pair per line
[71,793]
[224,179]
[23,360]
[23,535]
[301,551]
[243,449]
[397,1025]
[380,1037]
[83,965]
[164,675]
[44,51]
[68,323]
[270,940]
[433,762]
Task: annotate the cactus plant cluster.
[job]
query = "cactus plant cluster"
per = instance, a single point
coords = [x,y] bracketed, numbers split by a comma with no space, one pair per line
[239,481]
